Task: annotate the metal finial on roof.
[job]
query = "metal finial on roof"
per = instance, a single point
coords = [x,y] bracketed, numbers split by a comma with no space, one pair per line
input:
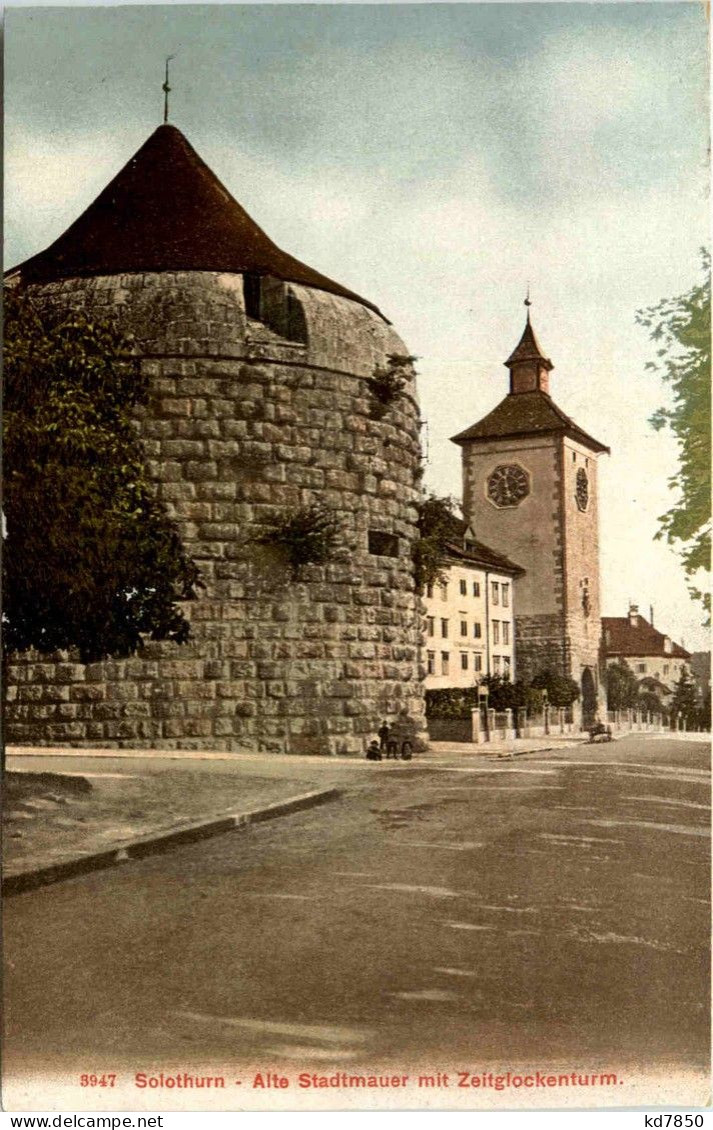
[166,90]
[527,302]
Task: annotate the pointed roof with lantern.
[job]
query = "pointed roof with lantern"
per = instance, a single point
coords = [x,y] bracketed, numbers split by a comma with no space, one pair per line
[528,348]
[167,211]
[528,409]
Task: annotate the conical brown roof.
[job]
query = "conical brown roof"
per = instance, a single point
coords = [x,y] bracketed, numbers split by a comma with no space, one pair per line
[528,349]
[167,211]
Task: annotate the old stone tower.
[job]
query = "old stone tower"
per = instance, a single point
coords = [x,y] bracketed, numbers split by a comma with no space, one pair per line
[530,490]
[260,404]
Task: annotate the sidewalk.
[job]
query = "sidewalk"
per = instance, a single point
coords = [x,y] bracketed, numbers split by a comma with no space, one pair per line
[61,809]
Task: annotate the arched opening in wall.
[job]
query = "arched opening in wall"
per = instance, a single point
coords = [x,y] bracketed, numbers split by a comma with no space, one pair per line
[589,696]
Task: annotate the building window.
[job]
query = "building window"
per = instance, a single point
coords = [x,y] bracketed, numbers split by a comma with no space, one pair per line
[505,591]
[477,631]
[464,627]
[477,663]
[429,591]
[496,664]
[382,544]
[444,662]
[464,661]
[640,667]
[574,456]
[665,668]
[431,662]
[431,625]
[495,592]
[463,588]
[444,629]
[506,631]
[496,631]
[444,592]
[476,588]
[506,665]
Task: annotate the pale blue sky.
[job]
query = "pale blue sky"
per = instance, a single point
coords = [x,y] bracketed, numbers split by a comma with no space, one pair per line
[434,158]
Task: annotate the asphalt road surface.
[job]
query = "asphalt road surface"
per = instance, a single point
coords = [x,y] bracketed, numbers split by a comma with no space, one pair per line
[553,909]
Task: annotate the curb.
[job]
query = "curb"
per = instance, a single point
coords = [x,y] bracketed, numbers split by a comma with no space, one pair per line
[155,842]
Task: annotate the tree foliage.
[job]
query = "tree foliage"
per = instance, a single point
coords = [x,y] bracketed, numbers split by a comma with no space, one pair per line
[561,690]
[388,382]
[622,686]
[437,523]
[685,699]
[681,329]
[503,694]
[91,558]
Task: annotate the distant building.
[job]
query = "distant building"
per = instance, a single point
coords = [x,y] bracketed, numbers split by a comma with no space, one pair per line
[470,617]
[530,489]
[654,658]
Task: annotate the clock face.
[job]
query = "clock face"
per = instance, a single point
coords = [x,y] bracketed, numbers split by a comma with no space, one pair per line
[582,489]
[508,485]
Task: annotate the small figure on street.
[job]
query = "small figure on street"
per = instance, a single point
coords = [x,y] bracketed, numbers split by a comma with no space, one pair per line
[383,732]
[373,753]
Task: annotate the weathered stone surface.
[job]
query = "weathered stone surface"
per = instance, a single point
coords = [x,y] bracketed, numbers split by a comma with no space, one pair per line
[241,425]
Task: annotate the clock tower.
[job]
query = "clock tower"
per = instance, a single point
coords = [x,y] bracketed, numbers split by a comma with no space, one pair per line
[530,491]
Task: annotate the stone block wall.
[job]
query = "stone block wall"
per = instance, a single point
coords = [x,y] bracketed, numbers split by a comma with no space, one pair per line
[540,643]
[243,424]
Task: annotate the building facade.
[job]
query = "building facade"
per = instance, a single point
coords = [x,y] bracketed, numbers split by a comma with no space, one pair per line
[469,625]
[657,662]
[259,405]
[530,490]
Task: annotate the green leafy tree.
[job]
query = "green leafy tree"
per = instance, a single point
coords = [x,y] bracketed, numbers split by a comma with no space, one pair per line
[437,525]
[651,703]
[561,690]
[622,686]
[684,697]
[91,559]
[681,329]
[506,695]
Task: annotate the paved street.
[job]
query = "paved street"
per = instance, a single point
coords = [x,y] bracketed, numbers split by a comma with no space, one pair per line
[548,910]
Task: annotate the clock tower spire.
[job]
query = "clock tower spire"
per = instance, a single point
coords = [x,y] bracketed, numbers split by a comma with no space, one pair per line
[528,365]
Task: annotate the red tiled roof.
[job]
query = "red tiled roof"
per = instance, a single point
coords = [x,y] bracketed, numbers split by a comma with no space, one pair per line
[621,638]
[477,553]
[526,413]
[167,211]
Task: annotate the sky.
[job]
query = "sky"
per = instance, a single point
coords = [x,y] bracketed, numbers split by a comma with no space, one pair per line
[436,159]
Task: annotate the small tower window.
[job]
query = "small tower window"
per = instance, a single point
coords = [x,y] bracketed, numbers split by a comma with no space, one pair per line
[251,291]
[382,544]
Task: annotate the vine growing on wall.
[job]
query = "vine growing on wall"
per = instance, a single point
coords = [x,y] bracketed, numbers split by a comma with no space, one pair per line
[309,535]
[388,383]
